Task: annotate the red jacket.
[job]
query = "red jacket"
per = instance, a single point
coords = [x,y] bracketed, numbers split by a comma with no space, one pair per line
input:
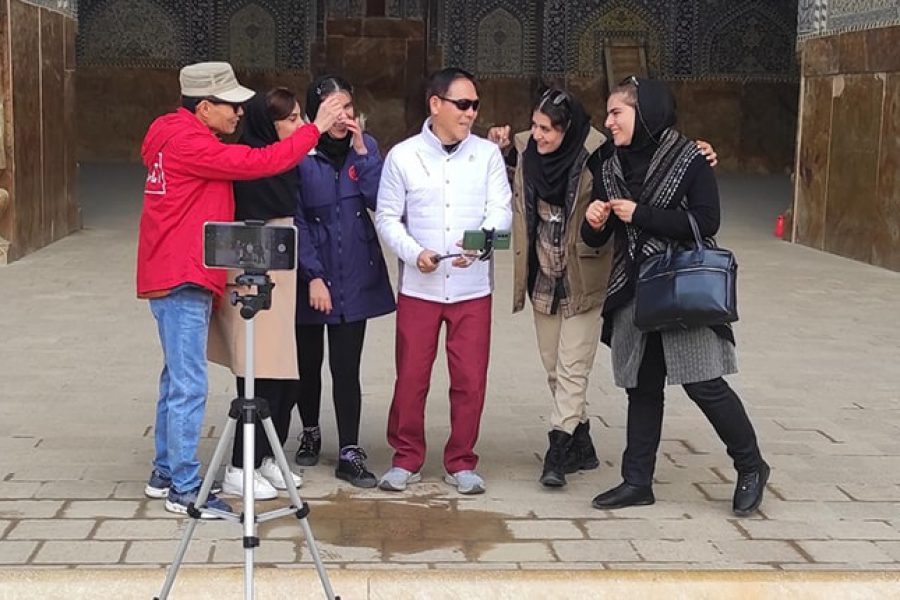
[189,175]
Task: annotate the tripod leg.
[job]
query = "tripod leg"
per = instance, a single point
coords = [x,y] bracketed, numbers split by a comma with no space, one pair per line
[302,508]
[251,540]
[205,487]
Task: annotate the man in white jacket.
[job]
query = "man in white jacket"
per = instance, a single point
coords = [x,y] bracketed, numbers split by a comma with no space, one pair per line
[435,186]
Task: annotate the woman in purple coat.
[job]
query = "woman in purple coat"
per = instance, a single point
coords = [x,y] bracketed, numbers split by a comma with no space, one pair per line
[343,280]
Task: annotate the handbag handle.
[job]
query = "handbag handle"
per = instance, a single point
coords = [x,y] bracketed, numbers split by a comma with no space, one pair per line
[698,241]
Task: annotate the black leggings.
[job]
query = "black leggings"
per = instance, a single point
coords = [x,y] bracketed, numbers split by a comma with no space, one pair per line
[720,404]
[280,394]
[345,342]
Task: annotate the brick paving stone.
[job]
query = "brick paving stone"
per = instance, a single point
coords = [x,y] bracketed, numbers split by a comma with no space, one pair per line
[892,549]
[268,552]
[544,530]
[512,552]
[789,490]
[114,509]
[595,550]
[331,553]
[89,552]
[29,509]
[43,473]
[18,489]
[137,529]
[82,490]
[845,552]
[435,555]
[676,551]
[782,530]
[663,529]
[872,493]
[52,529]
[163,553]
[860,530]
[16,553]
[759,551]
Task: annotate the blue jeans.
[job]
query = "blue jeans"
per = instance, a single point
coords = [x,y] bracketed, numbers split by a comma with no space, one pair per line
[182,318]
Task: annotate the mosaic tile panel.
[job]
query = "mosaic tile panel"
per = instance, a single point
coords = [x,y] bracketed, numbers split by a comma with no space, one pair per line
[140,33]
[828,17]
[405,9]
[256,34]
[69,7]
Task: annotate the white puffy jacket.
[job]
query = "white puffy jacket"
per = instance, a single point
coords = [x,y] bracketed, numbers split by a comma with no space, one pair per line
[427,199]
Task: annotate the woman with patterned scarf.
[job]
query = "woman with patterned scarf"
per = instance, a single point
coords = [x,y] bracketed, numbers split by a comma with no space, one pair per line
[644,191]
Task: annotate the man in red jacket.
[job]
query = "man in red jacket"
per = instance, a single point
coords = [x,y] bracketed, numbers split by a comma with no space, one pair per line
[189,176]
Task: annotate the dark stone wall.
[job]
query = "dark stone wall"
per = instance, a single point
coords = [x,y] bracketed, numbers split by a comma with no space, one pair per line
[38,170]
[848,188]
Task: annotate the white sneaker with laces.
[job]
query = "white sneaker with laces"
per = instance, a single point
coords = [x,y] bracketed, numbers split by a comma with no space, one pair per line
[466,482]
[270,471]
[396,479]
[233,484]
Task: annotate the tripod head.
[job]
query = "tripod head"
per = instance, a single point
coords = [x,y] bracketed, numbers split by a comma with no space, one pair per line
[253,303]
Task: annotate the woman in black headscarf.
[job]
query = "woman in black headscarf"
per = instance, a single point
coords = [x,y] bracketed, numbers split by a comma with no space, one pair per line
[563,278]
[267,118]
[646,190]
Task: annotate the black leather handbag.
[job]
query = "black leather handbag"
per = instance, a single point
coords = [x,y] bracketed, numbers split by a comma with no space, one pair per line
[686,287]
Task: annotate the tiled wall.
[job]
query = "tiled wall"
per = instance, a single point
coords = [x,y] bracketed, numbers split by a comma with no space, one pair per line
[847,197]
[725,60]
[37,53]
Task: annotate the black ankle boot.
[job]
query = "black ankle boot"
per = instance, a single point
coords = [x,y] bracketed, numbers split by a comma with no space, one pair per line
[581,455]
[310,446]
[352,467]
[554,474]
[748,491]
[624,495]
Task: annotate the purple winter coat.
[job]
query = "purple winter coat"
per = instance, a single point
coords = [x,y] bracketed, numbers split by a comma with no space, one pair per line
[337,239]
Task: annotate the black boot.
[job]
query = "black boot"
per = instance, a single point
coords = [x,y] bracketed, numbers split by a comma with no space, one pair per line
[310,446]
[624,495]
[352,467]
[748,492]
[582,456]
[554,474]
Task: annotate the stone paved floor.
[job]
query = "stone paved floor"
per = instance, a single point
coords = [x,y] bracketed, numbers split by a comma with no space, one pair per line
[818,344]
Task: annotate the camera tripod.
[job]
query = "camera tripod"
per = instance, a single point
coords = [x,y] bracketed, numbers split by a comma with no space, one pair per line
[248,409]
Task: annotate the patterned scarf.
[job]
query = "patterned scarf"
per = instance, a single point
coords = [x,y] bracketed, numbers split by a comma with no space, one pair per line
[664,175]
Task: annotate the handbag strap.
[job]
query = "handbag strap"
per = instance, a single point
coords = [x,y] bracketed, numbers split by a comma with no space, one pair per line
[698,241]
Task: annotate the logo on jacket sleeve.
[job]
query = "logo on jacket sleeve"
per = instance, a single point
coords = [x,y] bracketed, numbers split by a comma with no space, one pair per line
[156,177]
[352,173]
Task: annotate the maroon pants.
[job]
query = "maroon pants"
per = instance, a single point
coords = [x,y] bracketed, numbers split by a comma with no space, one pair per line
[468,347]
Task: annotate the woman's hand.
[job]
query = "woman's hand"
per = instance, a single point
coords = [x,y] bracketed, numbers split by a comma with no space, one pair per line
[624,209]
[500,136]
[319,296]
[358,142]
[329,112]
[709,152]
[597,213]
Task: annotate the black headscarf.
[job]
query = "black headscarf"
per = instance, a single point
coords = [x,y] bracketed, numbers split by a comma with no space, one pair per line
[654,113]
[548,173]
[334,150]
[270,197]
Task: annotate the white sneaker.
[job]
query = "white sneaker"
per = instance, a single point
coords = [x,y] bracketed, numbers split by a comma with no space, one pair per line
[466,482]
[396,479]
[270,471]
[233,484]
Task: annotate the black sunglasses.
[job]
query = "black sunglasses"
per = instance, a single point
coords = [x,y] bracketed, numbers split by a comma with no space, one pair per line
[234,105]
[463,104]
[630,79]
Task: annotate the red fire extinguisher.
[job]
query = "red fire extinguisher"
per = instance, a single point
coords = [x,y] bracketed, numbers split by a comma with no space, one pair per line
[779,226]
